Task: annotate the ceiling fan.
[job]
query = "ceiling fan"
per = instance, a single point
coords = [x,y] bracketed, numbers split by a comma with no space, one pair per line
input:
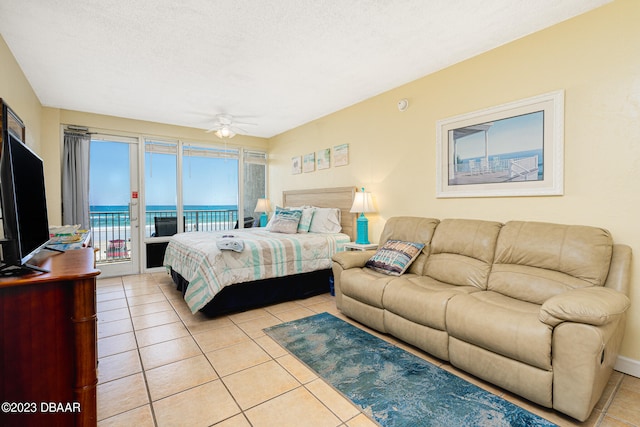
[225,127]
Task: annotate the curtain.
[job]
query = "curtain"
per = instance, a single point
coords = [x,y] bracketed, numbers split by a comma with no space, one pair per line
[75,179]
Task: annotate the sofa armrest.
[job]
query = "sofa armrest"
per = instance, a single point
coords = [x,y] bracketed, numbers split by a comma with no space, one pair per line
[352,259]
[619,277]
[594,306]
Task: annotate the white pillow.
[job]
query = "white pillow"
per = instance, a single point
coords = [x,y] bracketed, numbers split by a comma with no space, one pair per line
[325,220]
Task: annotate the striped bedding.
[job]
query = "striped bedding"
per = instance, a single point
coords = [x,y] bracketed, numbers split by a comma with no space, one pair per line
[196,257]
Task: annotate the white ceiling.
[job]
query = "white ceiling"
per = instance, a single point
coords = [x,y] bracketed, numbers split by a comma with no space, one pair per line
[275,63]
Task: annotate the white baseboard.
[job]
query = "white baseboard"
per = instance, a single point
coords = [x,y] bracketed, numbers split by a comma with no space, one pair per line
[628,366]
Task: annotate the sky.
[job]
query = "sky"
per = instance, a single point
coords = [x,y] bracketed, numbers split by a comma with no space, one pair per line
[511,135]
[206,181]
[109,181]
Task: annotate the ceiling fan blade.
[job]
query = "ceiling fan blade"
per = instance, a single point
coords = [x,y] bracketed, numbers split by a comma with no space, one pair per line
[227,121]
[213,129]
[237,129]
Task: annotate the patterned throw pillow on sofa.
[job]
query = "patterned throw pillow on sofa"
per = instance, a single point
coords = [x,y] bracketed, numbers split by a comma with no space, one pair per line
[394,257]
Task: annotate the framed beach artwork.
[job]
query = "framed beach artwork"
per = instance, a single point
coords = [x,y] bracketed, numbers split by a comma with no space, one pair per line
[322,158]
[296,165]
[341,155]
[309,162]
[514,149]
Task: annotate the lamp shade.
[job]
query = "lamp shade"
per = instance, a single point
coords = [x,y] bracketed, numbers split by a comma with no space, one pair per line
[363,203]
[263,205]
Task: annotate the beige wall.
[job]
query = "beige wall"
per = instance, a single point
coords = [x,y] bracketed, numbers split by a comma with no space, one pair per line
[16,91]
[593,57]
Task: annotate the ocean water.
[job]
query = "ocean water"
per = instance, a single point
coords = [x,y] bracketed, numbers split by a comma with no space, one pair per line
[168,208]
[195,216]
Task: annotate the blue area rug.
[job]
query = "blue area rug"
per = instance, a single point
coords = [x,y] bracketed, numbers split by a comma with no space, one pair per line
[394,387]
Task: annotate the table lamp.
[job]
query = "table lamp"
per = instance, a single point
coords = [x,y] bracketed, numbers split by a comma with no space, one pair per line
[264,207]
[362,203]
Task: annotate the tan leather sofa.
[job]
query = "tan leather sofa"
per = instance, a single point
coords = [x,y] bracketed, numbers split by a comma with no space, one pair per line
[535,308]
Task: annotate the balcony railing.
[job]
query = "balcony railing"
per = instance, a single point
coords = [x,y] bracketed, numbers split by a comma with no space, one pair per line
[196,220]
[111,231]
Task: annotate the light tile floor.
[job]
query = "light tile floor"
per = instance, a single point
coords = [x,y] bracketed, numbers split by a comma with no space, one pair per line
[160,365]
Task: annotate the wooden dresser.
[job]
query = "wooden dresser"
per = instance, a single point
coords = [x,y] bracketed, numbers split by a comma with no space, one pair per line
[48,356]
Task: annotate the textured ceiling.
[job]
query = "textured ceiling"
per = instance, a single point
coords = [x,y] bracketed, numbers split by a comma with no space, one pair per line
[277,64]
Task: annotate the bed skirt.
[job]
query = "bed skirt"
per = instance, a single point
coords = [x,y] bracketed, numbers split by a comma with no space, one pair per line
[245,296]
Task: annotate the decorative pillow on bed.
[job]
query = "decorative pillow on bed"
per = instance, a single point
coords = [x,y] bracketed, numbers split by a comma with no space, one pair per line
[305,220]
[285,221]
[273,218]
[325,220]
[394,257]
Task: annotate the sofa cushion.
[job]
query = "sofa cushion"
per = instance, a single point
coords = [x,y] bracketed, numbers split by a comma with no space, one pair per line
[502,325]
[394,257]
[364,285]
[421,299]
[535,261]
[411,229]
[462,252]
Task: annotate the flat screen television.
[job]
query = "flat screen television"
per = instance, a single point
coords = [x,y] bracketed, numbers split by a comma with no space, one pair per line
[24,204]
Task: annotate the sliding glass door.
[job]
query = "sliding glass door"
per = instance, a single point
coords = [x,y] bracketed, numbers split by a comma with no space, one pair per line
[114,208]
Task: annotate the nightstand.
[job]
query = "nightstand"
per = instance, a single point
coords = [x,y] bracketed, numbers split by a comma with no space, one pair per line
[358,247]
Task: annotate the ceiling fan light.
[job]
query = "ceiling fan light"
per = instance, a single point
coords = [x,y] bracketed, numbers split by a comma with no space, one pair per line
[225,132]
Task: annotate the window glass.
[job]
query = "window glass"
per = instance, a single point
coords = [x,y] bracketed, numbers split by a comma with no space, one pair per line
[160,169]
[209,188]
[254,181]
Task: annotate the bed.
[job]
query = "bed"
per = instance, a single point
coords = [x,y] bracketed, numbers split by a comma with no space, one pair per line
[269,268]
